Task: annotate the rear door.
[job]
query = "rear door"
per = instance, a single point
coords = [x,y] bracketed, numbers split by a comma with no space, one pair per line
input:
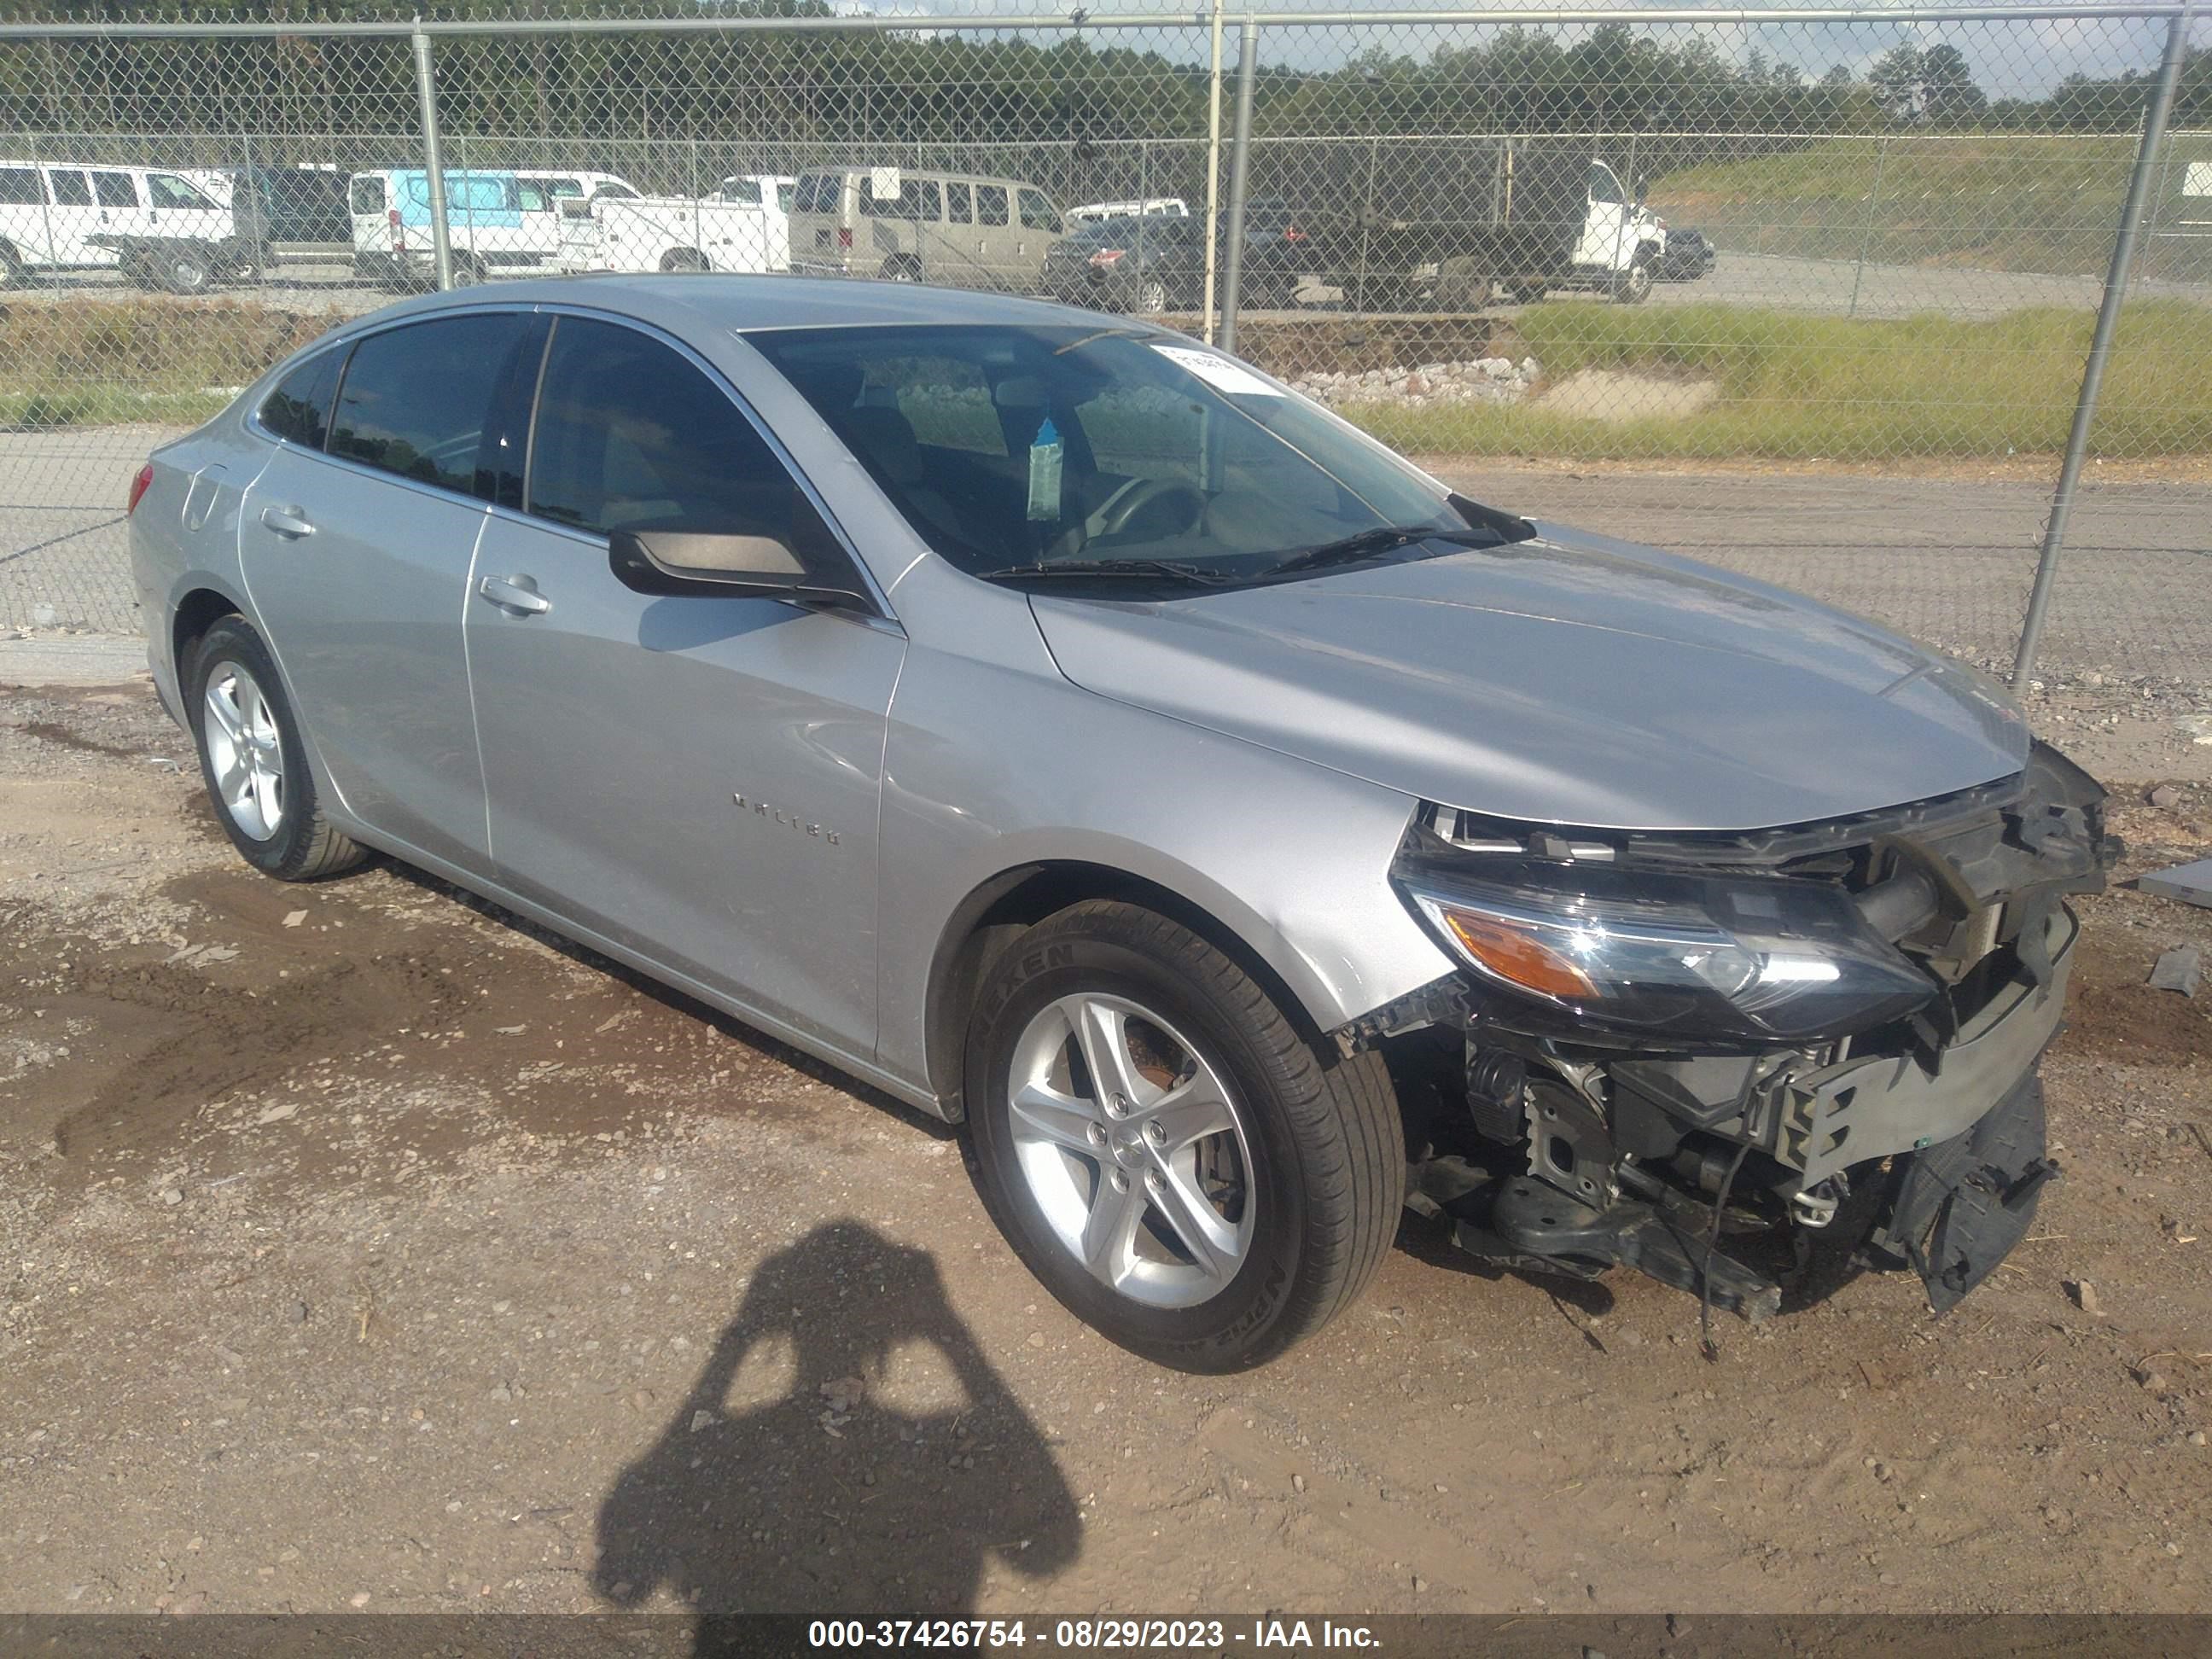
[694,779]
[26,217]
[73,218]
[118,198]
[356,556]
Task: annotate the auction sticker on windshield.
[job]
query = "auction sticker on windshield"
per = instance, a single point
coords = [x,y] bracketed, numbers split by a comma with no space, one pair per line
[1220,373]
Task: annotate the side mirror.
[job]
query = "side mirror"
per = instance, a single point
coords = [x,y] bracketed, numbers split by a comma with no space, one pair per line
[676,563]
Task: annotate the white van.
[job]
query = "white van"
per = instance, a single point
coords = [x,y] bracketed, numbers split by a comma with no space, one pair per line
[155,224]
[496,219]
[962,230]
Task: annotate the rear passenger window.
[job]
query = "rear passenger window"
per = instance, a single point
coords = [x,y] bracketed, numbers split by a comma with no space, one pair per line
[298,409]
[71,189]
[632,436]
[959,204]
[19,187]
[917,199]
[414,399]
[115,190]
[990,204]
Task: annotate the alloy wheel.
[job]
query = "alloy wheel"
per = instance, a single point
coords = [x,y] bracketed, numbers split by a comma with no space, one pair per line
[245,748]
[1132,1149]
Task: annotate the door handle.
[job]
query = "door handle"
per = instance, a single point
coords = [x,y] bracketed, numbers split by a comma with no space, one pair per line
[510,593]
[288,522]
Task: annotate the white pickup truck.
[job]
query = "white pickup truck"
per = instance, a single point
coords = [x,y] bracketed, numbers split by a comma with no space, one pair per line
[670,233]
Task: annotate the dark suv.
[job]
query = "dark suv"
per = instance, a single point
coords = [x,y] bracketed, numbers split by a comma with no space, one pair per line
[1158,263]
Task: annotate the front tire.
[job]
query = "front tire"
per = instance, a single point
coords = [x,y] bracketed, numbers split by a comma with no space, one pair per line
[1176,1161]
[253,758]
[1633,286]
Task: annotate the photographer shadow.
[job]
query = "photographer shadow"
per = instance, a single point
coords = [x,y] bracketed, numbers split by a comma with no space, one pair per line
[847,1448]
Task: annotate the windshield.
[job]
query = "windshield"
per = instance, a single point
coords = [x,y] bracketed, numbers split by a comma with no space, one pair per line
[1026,445]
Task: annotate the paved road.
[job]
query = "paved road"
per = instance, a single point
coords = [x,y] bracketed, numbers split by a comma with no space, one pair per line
[1822,287]
[1945,560]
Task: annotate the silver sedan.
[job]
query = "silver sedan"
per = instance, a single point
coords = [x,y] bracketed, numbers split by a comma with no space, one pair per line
[1071,731]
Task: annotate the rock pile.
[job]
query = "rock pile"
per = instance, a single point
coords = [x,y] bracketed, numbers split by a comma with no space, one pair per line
[1478,380]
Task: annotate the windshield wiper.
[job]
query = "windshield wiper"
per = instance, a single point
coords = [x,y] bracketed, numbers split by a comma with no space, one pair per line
[1169,569]
[1366,544]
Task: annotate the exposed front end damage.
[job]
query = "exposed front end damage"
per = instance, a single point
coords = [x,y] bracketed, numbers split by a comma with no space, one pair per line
[1673,1051]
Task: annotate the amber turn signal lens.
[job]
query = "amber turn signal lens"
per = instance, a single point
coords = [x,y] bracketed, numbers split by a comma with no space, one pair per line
[1515,958]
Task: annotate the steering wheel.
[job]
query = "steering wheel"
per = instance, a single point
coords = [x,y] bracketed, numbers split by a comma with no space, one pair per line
[1133,497]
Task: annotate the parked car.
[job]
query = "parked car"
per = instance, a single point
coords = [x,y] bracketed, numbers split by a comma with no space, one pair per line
[1158,265]
[1152,207]
[495,220]
[1078,735]
[157,226]
[956,229]
[1688,257]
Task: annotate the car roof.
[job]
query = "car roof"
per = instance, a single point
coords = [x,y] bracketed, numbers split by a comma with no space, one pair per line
[750,305]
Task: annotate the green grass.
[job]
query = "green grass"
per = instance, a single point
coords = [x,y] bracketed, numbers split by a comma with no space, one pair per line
[111,362]
[1799,388]
[1996,201]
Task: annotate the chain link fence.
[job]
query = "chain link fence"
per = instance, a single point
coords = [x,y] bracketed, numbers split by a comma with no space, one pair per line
[1842,269]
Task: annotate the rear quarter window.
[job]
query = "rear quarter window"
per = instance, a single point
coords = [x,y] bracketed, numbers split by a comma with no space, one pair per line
[19,187]
[817,193]
[298,409]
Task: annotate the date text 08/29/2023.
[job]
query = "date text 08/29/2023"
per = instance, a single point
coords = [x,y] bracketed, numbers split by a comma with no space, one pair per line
[1201,1635]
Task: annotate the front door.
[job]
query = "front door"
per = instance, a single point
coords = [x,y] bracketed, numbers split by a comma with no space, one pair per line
[1605,227]
[357,559]
[694,778]
[177,207]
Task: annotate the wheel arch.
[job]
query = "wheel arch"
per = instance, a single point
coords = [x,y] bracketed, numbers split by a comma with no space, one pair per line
[193,615]
[996,913]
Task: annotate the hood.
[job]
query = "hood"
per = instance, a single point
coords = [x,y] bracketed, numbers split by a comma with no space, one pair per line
[1570,679]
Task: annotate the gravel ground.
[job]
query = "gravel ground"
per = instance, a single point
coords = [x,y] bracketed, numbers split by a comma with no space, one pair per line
[361,1247]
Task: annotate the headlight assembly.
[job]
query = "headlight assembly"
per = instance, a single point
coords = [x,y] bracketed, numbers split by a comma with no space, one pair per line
[1710,957]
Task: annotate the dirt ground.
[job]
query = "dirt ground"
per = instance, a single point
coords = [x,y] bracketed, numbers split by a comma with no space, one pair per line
[361,1247]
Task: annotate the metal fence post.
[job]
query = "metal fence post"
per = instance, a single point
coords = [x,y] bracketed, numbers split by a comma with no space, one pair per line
[1866,231]
[2100,344]
[1212,171]
[1240,167]
[434,160]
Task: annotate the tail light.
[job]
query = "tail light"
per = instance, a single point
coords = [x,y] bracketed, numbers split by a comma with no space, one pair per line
[139,485]
[1107,256]
[1292,233]
[845,236]
[398,236]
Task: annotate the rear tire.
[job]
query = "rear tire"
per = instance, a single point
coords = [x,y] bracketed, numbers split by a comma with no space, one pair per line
[684,258]
[1151,297]
[12,273]
[1297,1154]
[902,268]
[1463,283]
[253,758]
[468,270]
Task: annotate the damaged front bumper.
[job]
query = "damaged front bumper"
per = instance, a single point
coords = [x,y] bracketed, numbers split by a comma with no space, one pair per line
[1918,1142]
